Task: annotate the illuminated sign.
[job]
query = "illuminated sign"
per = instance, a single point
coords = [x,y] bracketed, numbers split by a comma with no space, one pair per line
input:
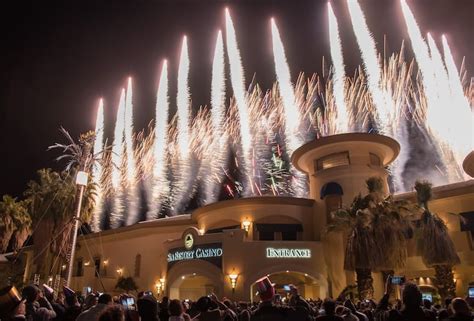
[188,241]
[288,253]
[207,252]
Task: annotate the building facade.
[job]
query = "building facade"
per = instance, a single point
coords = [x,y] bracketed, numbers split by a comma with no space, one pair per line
[226,246]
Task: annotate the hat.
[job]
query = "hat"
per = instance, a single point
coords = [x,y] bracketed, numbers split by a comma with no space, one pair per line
[68,292]
[265,288]
[9,300]
[48,291]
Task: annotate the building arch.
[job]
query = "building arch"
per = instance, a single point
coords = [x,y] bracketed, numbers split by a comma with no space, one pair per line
[283,267]
[195,267]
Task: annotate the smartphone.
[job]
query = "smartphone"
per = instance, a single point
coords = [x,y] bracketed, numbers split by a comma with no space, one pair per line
[286,288]
[398,280]
[427,296]
[471,292]
[148,293]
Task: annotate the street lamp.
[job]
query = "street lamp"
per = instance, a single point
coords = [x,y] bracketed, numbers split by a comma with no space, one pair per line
[81,181]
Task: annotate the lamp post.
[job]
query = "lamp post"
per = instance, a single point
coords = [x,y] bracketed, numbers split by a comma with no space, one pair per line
[81,182]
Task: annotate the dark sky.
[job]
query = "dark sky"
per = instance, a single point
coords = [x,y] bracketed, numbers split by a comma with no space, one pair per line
[58,58]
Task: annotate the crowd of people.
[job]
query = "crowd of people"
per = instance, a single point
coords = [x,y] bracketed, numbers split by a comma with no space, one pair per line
[40,304]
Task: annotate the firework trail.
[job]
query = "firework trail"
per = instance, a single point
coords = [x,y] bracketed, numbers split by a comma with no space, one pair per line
[159,182]
[339,74]
[371,65]
[240,94]
[291,111]
[183,101]
[218,158]
[131,168]
[434,113]
[97,166]
[117,160]
[465,116]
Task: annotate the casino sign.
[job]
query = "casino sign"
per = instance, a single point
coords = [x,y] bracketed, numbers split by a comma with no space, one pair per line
[211,252]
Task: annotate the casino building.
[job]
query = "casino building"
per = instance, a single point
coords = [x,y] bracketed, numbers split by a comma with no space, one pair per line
[226,246]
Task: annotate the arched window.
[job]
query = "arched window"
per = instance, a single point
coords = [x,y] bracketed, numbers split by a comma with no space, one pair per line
[138,262]
[331,193]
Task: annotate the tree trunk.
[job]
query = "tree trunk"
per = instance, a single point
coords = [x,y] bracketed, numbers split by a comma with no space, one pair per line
[365,284]
[444,281]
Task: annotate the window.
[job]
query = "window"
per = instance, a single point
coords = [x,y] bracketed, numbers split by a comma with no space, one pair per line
[289,235]
[289,232]
[375,160]
[333,160]
[79,267]
[266,235]
[221,229]
[138,262]
[97,266]
[467,225]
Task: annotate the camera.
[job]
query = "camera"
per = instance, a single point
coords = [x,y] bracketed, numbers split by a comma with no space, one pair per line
[398,280]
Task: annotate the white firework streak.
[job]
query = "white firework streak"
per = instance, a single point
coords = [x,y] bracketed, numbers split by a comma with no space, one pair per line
[131,173]
[381,99]
[183,101]
[238,85]
[435,113]
[291,111]
[159,179]
[464,114]
[97,169]
[117,159]
[218,158]
[339,73]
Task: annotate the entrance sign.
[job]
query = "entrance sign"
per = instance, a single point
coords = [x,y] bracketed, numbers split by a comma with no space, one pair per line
[288,253]
[207,252]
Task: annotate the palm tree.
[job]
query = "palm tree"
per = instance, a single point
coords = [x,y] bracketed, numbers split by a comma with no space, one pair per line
[378,228]
[15,223]
[50,202]
[435,245]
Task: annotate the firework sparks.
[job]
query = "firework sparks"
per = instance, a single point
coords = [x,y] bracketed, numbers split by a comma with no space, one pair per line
[159,183]
[240,94]
[97,168]
[342,123]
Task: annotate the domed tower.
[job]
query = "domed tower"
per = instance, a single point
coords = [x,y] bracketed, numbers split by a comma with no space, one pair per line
[468,164]
[338,167]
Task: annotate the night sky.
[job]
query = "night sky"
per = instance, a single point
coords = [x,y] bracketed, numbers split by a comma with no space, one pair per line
[59,58]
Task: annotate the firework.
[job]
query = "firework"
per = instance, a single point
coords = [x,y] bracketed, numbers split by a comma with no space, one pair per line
[97,167]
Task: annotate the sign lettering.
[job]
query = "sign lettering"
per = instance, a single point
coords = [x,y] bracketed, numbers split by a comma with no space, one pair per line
[288,253]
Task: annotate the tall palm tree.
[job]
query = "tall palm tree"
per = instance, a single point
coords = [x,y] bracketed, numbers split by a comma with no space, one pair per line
[378,228]
[15,223]
[50,202]
[435,245]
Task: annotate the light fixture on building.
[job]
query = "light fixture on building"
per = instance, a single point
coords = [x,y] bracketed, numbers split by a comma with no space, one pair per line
[63,267]
[183,277]
[246,224]
[120,271]
[158,288]
[233,279]
[87,263]
[202,231]
[106,262]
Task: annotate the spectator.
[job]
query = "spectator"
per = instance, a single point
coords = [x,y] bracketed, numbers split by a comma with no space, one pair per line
[164,306]
[37,306]
[267,310]
[460,310]
[329,307]
[12,306]
[92,314]
[176,310]
[112,313]
[148,308]
[73,308]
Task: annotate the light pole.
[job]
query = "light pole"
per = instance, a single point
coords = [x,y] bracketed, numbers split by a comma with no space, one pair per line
[81,182]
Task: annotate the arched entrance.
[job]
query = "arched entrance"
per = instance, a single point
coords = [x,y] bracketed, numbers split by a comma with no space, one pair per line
[191,287]
[193,279]
[308,286]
